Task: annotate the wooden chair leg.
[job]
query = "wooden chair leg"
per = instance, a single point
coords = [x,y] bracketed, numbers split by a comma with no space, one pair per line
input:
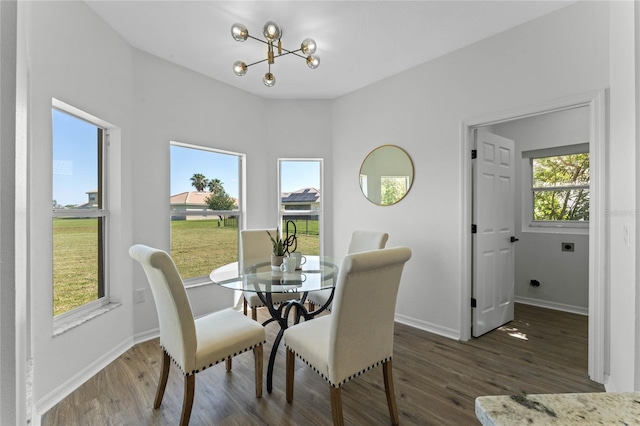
[258,360]
[387,371]
[162,383]
[244,306]
[254,313]
[290,371]
[187,403]
[336,406]
[228,363]
[311,307]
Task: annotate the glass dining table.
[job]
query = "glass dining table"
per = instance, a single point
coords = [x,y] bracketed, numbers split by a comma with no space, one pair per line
[317,273]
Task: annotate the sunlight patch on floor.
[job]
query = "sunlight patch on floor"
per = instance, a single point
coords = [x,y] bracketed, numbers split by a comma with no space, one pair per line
[514,332]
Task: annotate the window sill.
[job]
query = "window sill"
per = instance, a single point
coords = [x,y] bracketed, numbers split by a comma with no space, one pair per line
[557,229]
[71,323]
[197,282]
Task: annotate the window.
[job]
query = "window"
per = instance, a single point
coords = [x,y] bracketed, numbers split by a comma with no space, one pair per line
[393,189]
[300,204]
[560,188]
[205,203]
[80,216]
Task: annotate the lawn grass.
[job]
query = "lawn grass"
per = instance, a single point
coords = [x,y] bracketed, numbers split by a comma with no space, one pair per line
[197,247]
[75,263]
[200,246]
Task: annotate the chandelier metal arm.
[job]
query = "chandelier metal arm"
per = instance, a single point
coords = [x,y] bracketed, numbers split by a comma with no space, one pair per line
[288,52]
[257,39]
[258,62]
[291,52]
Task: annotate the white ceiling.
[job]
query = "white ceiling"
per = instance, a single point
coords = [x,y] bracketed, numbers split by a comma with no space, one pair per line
[359,42]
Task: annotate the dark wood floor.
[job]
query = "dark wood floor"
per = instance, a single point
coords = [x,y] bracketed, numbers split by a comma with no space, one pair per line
[436,380]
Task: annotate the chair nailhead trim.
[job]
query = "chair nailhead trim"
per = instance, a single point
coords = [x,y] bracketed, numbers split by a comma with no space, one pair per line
[213,363]
[337,385]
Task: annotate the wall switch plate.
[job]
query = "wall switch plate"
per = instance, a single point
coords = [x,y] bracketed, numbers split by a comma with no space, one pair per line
[567,247]
[138,295]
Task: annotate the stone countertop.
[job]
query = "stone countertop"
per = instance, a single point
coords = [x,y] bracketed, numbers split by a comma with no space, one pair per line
[560,409]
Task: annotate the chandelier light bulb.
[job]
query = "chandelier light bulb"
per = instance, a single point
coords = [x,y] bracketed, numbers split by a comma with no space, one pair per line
[271,31]
[269,80]
[313,61]
[239,32]
[308,46]
[240,68]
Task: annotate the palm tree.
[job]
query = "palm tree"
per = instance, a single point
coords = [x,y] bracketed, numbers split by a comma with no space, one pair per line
[215,186]
[199,181]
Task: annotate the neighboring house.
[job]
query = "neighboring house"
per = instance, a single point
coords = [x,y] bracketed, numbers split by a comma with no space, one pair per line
[189,202]
[92,200]
[302,199]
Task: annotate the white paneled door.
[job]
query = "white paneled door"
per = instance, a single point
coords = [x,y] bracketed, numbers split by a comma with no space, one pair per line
[493,217]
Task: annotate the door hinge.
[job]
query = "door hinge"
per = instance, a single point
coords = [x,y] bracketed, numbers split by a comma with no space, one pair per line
[474,229]
[474,154]
[473,302]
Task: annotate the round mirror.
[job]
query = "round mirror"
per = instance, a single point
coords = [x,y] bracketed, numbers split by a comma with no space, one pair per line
[386,175]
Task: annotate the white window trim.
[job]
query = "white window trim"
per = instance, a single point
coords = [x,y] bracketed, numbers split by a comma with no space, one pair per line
[320,213]
[551,227]
[82,314]
[202,280]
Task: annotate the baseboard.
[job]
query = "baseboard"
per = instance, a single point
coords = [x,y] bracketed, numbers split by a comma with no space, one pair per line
[552,305]
[146,335]
[609,386]
[427,326]
[47,402]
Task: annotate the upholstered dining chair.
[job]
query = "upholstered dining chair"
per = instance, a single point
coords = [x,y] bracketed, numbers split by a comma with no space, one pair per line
[360,241]
[358,334]
[194,345]
[255,245]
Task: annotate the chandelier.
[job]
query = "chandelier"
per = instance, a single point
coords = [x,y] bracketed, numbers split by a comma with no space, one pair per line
[272,33]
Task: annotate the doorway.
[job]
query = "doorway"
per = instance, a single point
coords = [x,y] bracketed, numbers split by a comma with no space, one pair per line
[594,101]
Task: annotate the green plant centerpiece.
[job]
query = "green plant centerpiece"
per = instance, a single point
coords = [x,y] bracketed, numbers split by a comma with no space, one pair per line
[278,249]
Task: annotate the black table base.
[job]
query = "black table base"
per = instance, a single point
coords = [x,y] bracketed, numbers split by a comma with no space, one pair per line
[281,316]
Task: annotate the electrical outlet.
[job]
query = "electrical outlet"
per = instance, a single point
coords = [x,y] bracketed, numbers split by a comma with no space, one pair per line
[138,295]
[567,247]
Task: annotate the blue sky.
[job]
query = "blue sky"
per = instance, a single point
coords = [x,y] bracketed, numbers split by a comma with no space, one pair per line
[299,174]
[75,164]
[185,162]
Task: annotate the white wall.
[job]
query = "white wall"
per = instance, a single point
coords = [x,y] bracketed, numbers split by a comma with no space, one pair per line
[421,110]
[303,129]
[75,57]
[564,276]
[622,202]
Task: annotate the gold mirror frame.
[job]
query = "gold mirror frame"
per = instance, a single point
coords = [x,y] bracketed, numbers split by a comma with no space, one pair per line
[386,175]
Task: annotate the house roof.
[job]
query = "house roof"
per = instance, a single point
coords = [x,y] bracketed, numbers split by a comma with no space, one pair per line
[191,197]
[305,195]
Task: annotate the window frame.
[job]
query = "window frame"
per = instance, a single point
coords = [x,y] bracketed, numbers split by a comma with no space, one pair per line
[240,212]
[529,224]
[282,213]
[102,212]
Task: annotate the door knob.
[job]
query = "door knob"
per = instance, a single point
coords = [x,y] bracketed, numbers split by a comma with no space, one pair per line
[514,239]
